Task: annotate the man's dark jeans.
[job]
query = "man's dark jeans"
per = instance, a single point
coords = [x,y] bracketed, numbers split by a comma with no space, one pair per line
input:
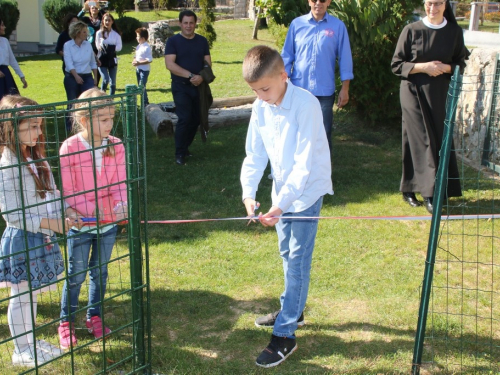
[187,109]
[326,103]
[74,90]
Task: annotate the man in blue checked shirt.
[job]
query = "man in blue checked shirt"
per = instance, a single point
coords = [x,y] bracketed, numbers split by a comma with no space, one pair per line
[312,46]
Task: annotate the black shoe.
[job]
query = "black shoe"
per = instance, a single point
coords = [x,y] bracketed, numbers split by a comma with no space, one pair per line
[276,352]
[179,160]
[428,204]
[269,320]
[411,199]
[188,154]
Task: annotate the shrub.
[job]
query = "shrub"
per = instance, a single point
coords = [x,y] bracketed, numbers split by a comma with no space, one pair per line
[55,11]
[10,16]
[279,33]
[374,28]
[205,27]
[492,16]
[120,6]
[127,26]
[283,12]
[169,4]
[462,9]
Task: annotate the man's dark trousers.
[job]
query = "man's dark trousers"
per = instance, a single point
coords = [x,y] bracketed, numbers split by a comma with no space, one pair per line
[187,109]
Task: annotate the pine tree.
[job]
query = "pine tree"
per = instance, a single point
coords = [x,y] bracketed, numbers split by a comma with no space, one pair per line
[205,27]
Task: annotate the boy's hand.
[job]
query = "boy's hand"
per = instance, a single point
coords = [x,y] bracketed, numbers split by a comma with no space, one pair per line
[251,205]
[271,218]
[134,62]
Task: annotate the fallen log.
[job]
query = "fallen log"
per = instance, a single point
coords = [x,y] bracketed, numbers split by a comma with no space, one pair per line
[233,102]
[217,117]
[160,121]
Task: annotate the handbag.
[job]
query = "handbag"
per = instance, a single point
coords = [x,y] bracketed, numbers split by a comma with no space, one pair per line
[107,55]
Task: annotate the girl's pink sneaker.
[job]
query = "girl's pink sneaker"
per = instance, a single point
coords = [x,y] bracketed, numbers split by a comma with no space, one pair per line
[67,335]
[94,325]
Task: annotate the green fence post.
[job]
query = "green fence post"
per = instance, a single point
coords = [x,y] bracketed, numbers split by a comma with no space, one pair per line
[441,183]
[134,241]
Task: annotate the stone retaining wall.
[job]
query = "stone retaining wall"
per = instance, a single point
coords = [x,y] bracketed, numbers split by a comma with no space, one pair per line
[474,106]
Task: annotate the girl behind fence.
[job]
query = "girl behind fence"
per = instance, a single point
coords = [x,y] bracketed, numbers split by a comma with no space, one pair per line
[29,251]
[92,166]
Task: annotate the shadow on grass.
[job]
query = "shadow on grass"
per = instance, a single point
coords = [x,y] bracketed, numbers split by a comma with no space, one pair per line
[197,331]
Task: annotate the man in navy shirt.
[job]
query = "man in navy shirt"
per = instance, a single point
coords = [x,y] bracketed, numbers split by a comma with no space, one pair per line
[185,54]
[313,45]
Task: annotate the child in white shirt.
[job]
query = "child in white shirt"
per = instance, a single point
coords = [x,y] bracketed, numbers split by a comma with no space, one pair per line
[142,60]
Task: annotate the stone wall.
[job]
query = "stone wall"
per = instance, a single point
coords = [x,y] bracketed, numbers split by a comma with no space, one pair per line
[240,9]
[473,108]
[159,32]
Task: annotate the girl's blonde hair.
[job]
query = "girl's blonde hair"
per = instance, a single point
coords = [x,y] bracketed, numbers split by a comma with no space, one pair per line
[82,110]
[9,138]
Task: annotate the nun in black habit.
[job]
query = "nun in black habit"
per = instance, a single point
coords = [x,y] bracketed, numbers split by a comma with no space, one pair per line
[425,58]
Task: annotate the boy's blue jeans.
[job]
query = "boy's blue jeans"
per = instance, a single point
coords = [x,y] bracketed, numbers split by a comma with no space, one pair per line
[142,79]
[296,244]
[79,246]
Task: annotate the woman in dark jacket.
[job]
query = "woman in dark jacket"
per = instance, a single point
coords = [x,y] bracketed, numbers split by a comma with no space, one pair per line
[425,58]
[64,36]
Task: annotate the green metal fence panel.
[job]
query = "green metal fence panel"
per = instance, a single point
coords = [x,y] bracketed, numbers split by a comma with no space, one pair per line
[36,300]
[459,314]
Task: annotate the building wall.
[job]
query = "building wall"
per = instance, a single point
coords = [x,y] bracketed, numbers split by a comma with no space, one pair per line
[32,28]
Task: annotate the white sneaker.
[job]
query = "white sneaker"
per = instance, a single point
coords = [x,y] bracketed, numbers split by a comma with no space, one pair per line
[47,347]
[27,359]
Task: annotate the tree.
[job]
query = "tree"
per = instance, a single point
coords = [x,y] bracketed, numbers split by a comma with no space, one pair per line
[119,6]
[283,12]
[55,11]
[374,27]
[9,13]
[207,16]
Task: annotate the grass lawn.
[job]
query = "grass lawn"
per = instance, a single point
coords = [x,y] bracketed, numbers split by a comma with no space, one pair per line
[488,26]
[209,281]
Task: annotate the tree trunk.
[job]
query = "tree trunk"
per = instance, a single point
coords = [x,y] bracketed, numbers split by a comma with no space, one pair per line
[256,24]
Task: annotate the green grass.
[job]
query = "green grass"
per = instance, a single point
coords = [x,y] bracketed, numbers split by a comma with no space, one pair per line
[488,26]
[210,280]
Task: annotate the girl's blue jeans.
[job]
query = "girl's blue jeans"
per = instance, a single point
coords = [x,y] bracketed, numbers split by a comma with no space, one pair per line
[108,78]
[296,244]
[81,245]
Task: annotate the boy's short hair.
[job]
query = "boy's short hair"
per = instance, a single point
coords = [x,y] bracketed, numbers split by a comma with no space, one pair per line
[262,61]
[143,32]
[187,13]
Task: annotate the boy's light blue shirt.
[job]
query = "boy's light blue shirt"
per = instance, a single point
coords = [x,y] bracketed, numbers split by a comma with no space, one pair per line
[292,137]
[310,52]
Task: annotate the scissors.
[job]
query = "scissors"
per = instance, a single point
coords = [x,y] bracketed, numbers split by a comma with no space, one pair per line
[256,207]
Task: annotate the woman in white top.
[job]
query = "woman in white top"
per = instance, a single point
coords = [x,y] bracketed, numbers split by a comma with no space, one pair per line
[108,42]
[7,84]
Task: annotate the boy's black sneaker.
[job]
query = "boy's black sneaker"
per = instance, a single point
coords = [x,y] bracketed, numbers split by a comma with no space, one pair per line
[276,352]
[269,320]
